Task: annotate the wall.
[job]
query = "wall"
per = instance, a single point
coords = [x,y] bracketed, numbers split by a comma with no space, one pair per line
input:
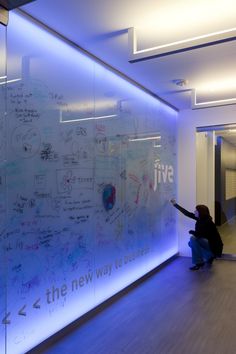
[2,180]
[188,121]
[90,169]
[205,169]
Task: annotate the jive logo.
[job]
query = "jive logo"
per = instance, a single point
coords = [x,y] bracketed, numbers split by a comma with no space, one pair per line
[163,174]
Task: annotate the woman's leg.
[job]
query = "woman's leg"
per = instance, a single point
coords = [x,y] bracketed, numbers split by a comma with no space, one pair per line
[197,250]
[206,251]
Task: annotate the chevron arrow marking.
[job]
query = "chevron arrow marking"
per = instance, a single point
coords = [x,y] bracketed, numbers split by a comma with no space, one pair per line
[22,312]
[6,320]
[36,305]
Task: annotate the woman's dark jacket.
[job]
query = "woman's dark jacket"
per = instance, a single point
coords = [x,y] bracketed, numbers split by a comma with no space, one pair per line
[205,228]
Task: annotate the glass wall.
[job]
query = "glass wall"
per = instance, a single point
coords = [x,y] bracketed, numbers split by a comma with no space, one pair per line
[91,166]
[3,209]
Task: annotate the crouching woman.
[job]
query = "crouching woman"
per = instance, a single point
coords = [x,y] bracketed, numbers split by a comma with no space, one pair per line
[205,242]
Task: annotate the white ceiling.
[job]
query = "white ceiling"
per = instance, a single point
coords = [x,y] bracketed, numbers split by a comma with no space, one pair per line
[100,26]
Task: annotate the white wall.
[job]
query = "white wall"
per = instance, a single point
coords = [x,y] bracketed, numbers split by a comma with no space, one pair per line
[189,120]
[205,170]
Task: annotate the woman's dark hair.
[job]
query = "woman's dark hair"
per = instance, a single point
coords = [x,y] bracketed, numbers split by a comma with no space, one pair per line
[203,211]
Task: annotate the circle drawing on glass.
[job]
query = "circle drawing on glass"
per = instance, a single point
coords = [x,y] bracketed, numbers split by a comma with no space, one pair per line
[26,140]
[109,196]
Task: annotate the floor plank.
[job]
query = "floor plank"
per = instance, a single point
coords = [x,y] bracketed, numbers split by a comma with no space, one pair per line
[174,311]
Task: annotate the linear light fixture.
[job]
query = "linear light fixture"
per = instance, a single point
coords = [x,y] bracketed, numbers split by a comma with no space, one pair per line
[148,138]
[85,119]
[207,104]
[178,46]
[8,81]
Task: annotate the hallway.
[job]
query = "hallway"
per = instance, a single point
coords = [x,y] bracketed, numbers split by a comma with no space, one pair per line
[228,234]
[174,311]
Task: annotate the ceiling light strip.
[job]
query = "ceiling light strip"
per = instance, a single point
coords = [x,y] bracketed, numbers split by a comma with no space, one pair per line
[9,81]
[144,139]
[87,118]
[178,46]
[208,104]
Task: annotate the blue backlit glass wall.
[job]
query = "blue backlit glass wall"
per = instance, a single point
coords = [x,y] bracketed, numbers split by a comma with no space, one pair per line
[3,191]
[90,168]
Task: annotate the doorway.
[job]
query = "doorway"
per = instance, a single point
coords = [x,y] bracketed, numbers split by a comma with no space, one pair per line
[216,179]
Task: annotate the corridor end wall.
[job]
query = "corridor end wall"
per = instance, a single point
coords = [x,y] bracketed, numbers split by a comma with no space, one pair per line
[188,121]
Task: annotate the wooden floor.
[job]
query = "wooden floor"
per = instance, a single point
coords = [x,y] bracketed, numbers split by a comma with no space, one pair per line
[175,311]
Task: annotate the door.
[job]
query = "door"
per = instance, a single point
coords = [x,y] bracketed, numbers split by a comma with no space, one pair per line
[216,179]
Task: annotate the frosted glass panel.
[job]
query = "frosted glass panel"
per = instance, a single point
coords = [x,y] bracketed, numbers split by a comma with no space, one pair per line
[135,155]
[3,191]
[91,168]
